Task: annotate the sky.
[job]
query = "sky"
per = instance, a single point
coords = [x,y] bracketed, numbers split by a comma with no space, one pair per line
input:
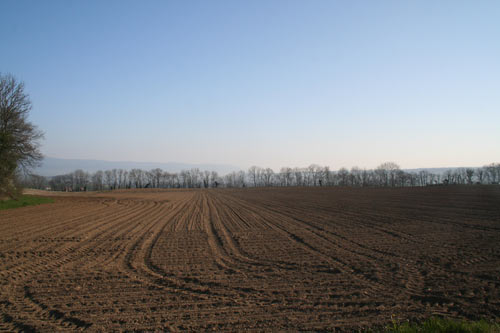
[268,83]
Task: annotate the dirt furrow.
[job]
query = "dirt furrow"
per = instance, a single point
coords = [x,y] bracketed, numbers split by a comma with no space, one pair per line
[255,259]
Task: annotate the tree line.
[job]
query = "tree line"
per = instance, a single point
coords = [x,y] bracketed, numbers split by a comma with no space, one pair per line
[20,153]
[387,174]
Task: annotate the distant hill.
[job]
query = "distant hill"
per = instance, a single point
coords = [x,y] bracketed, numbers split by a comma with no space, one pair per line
[437,171]
[57,166]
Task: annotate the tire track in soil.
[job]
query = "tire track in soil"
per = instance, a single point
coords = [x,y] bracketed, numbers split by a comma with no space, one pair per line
[414,284]
[43,226]
[274,219]
[193,217]
[211,223]
[413,287]
[58,255]
[89,222]
[40,312]
[138,214]
[61,253]
[138,265]
[224,213]
[123,247]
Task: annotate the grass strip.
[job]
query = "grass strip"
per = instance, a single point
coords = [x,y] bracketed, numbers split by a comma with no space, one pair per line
[23,201]
[444,325]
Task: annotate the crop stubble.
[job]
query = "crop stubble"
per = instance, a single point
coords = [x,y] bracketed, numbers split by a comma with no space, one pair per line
[281,258]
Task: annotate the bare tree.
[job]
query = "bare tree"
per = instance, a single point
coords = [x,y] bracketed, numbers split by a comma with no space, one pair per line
[108,178]
[157,174]
[401,178]
[288,176]
[35,181]
[480,175]
[298,176]
[115,178]
[423,176]
[125,181]
[230,179]
[493,172]
[393,170]
[166,180]
[253,173]
[355,176]
[469,174]
[176,181]
[268,175]
[460,175]
[19,138]
[326,175]
[206,179]
[120,174]
[214,178]
[80,180]
[136,177]
[343,177]
[183,178]
[97,180]
[314,173]
[240,179]
[448,177]
[366,178]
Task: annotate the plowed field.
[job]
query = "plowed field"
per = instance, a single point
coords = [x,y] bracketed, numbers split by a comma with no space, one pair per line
[262,259]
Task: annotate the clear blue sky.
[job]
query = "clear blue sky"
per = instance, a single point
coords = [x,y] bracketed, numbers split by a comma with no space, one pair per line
[270,83]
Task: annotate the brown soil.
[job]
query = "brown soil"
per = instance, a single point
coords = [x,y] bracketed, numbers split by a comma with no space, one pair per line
[263,259]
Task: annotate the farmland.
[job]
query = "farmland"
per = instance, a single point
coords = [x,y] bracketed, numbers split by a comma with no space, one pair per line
[255,258]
